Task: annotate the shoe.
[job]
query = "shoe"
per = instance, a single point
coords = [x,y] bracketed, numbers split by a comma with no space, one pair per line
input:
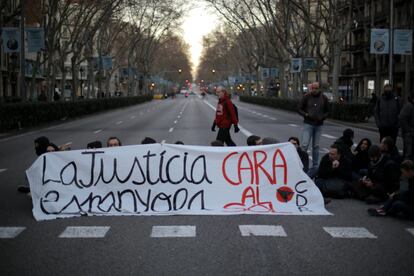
[327,200]
[23,189]
[376,212]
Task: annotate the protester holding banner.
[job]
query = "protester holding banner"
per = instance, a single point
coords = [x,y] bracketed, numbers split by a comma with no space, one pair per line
[314,109]
[225,117]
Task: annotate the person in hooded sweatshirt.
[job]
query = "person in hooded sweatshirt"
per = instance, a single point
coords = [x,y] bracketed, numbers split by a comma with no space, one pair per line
[225,118]
[386,113]
[41,144]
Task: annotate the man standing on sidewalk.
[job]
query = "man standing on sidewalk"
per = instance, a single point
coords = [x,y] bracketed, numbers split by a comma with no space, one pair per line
[225,117]
[386,113]
[314,109]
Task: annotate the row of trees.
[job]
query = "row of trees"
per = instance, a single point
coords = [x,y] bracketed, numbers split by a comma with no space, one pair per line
[262,33]
[134,33]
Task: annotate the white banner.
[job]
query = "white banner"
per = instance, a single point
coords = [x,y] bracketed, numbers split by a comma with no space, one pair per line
[163,179]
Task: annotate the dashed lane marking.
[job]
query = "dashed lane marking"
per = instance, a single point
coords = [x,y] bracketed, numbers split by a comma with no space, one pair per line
[85,232]
[349,232]
[329,136]
[272,118]
[132,117]
[3,170]
[293,125]
[179,117]
[97,131]
[171,129]
[175,121]
[325,150]
[163,141]
[410,230]
[173,231]
[119,122]
[262,230]
[10,232]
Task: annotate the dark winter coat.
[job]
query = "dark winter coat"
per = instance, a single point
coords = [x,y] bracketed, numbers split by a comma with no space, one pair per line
[385,174]
[406,118]
[314,108]
[326,171]
[387,110]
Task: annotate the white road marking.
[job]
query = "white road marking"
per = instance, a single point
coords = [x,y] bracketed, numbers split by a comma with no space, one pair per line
[272,118]
[245,131]
[163,141]
[266,116]
[132,117]
[10,232]
[411,230]
[173,231]
[175,121]
[349,232]
[329,136]
[293,125]
[171,129]
[3,170]
[262,230]
[325,150]
[179,117]
[84,232]
[97,131]
[119,122]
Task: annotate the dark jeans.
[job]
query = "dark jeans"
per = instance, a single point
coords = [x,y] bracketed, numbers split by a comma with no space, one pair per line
[224,136]
[398,205]
[388,131]
[333,187]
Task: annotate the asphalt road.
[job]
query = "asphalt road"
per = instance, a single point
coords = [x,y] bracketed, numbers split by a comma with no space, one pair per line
[299,245]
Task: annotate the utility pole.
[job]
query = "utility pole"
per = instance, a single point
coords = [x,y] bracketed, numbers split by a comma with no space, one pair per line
[22,52]
[390,70]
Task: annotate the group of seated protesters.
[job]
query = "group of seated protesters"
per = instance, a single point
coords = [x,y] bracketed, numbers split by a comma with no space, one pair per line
[370,173]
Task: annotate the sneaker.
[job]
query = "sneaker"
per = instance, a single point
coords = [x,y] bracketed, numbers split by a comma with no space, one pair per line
[23,189]
[376,212]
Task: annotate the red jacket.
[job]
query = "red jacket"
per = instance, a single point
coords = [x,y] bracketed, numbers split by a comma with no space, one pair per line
[225,114]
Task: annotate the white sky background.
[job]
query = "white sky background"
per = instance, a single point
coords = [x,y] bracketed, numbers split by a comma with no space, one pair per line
[198,22]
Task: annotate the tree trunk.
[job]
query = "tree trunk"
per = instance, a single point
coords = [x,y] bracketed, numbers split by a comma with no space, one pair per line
[335,71]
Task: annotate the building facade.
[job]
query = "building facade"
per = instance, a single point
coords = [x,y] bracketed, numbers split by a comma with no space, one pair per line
[363,73]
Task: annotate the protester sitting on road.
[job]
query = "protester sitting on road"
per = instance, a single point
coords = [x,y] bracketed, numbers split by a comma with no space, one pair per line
[360,160]
[304,157]
[388,147]
[399,203]
[52,147]
[270,141]
[94,145]
[334,174]
[113,142]
[40,143]
[345,142]
[254,140]
[148,140]
[217,143]
[382,178]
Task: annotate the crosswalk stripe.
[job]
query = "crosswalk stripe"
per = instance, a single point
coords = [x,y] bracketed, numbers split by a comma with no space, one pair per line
[173,231]
[262,230]
[84,232]
[411,230]
[349,232]
[10,232]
